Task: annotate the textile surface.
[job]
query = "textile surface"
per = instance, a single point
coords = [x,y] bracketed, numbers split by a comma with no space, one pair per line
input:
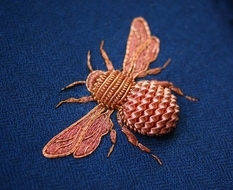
[43,47]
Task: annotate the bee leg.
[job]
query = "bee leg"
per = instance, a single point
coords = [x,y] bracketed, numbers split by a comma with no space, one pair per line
[175,89]
[73,84]
[113,140]
[154,71]
[133,140]
[76,100]
[108,63]
[178,91]
[80,82]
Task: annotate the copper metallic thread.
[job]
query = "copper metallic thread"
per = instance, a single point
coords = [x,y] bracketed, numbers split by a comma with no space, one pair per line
[147,107]
[111,88]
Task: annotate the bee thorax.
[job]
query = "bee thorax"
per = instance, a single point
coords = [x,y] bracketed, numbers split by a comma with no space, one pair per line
[110,88]
[150,109]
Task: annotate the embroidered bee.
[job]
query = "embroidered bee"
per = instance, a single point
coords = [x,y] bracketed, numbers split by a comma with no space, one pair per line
[147,107]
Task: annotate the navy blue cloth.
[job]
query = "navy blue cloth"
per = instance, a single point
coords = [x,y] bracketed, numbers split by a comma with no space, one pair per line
[43,47]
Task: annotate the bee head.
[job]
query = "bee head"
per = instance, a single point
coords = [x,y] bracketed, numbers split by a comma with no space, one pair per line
[92,79]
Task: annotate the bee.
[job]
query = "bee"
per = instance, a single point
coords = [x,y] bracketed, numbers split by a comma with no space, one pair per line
[148,107]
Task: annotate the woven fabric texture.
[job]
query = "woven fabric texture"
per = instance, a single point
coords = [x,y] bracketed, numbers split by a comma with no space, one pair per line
[43,47]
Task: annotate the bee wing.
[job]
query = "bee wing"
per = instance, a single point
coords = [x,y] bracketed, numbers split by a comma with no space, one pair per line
[142,48]
[89,128]
[93,135]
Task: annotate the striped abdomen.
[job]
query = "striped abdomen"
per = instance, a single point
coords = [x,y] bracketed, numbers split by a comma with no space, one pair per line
[110,88]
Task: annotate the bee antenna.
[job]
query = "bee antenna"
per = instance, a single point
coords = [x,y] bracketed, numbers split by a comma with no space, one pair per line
[89,61]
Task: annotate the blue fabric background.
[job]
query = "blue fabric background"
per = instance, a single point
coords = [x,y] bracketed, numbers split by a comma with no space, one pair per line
[43,47]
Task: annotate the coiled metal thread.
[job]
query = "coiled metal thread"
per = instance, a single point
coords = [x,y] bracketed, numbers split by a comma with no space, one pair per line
[150,109]
[111,88]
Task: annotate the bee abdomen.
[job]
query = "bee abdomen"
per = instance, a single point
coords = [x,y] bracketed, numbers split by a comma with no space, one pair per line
[150,109]
[111,88]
